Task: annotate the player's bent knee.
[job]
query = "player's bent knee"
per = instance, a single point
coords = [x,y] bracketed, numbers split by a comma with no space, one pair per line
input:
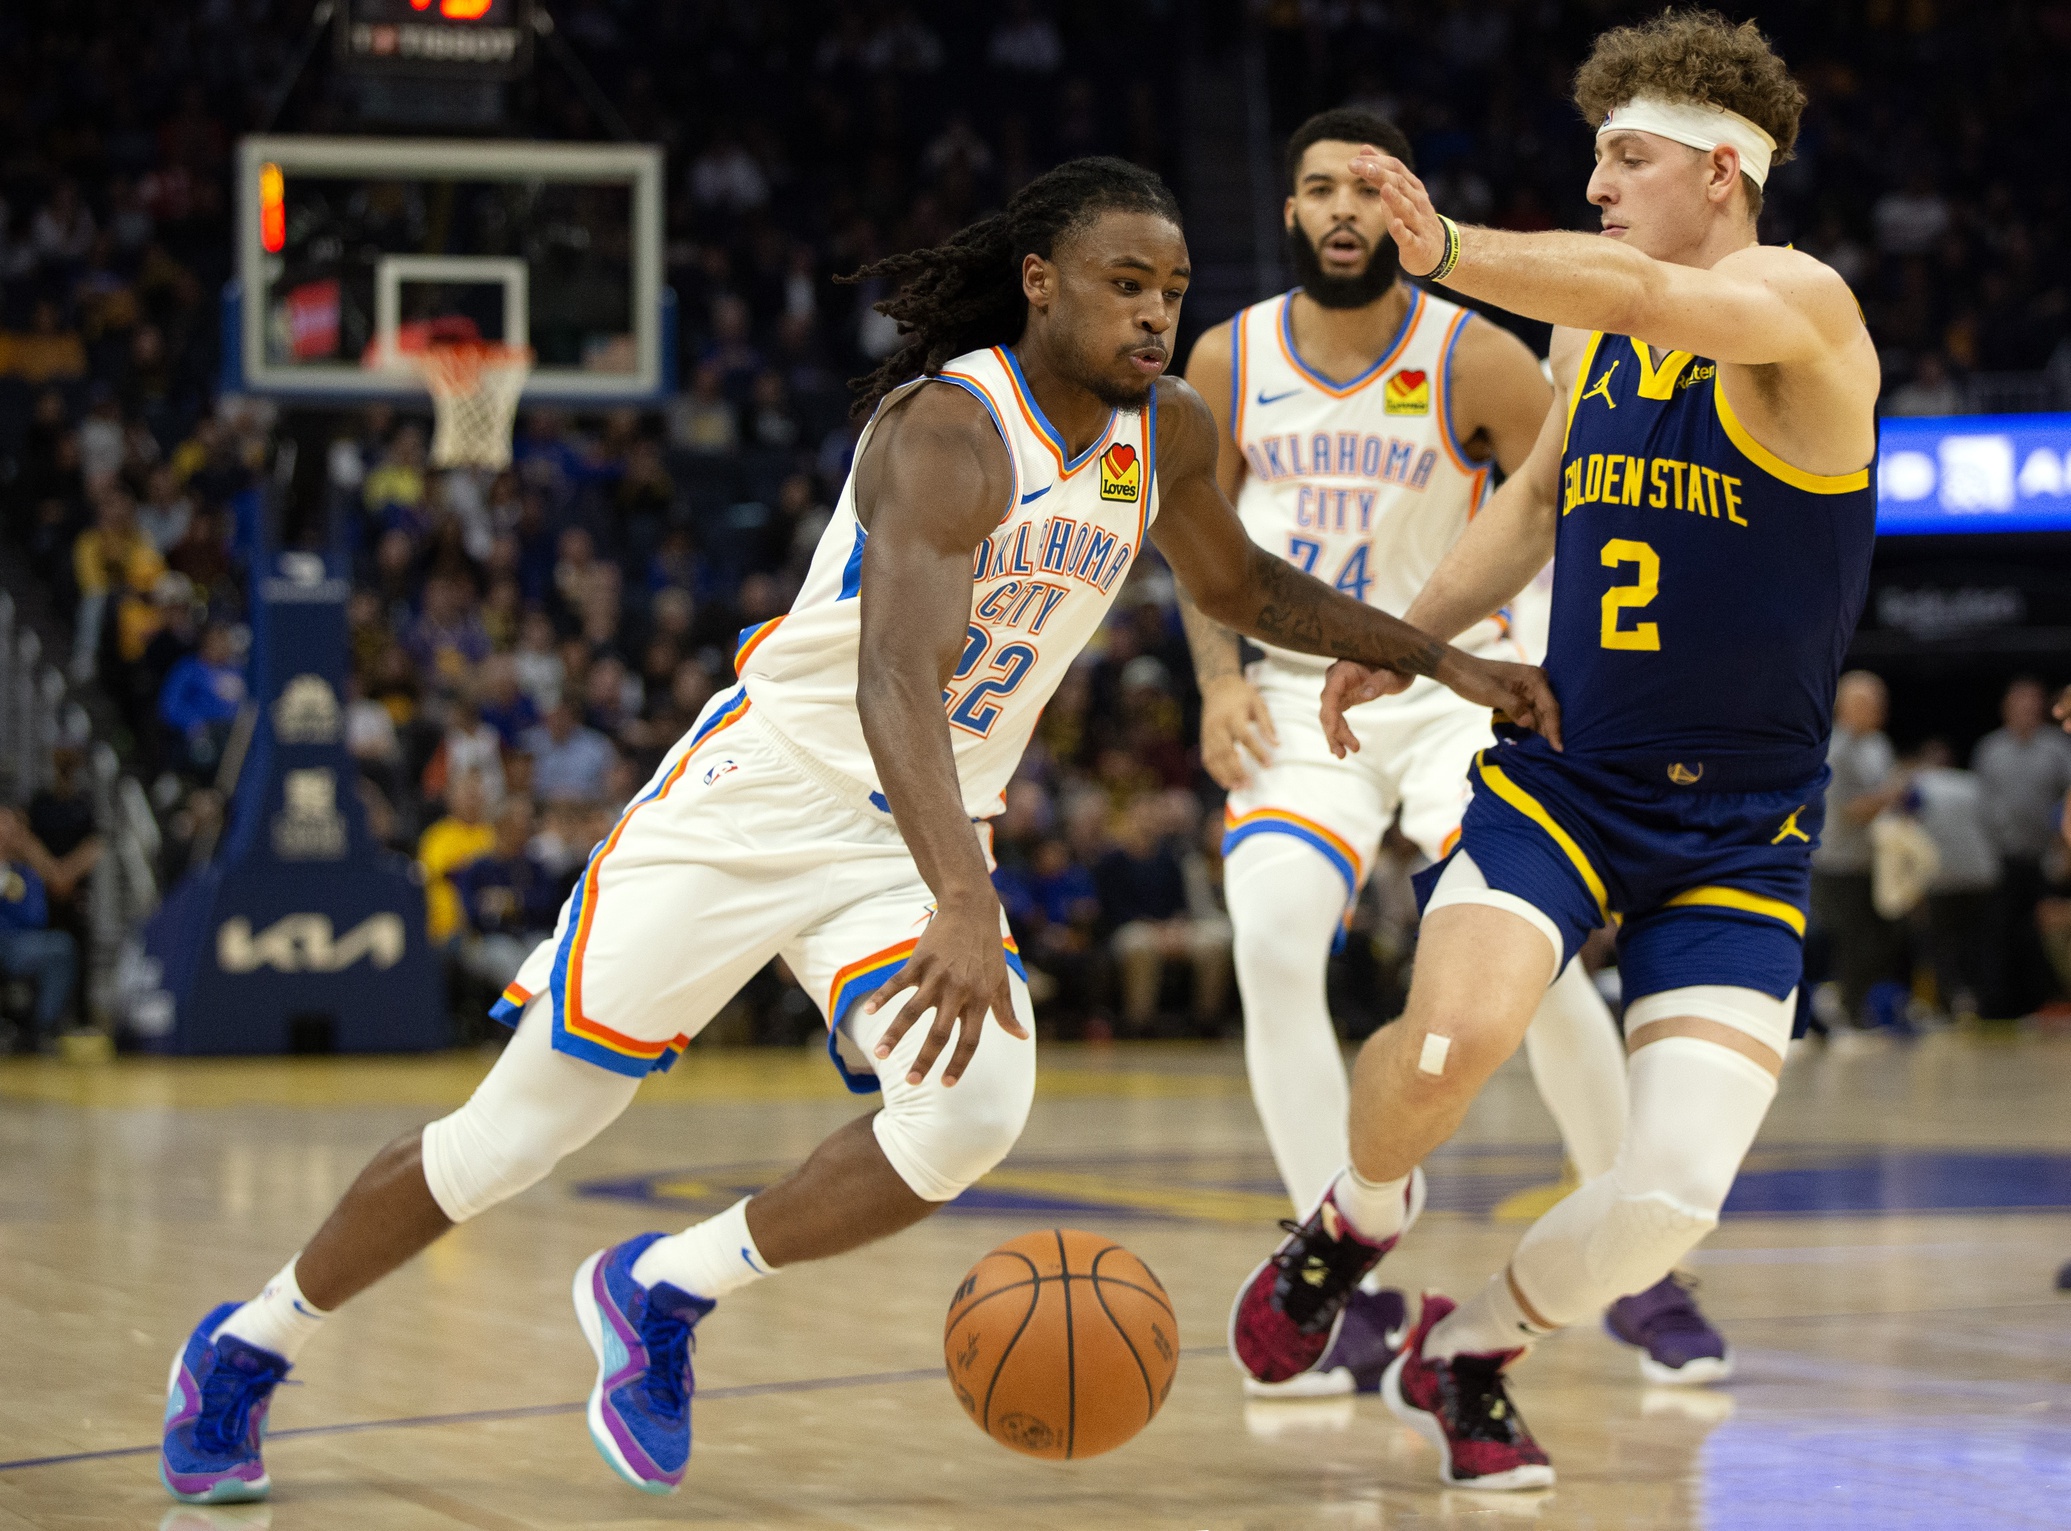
[471,1164]
[941,1139]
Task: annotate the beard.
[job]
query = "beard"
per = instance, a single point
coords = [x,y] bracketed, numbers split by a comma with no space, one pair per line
[1382,267]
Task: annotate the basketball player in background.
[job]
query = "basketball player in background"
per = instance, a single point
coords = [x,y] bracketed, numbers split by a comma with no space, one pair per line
[1023,447]
[1361,419]
[1703,480]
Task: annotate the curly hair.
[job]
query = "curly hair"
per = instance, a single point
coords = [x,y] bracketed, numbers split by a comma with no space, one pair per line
[965,293]
[1694,56]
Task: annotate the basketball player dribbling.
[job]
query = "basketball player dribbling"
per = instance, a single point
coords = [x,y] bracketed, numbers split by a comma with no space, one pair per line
[1703,479]
[1023,448]
[1360,420]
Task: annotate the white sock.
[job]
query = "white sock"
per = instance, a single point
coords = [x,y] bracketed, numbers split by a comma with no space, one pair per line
[1287,905]
[1489,1321]
[1578,1063]
[1376,1210]
[708,1259]
[279,1319]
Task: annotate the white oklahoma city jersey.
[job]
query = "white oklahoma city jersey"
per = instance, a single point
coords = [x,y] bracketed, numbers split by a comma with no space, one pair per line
[1362,483]
[1042,584]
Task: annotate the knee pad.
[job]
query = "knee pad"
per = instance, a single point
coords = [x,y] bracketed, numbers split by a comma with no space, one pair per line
[942,1138]
[1601,1243]
[535,1108]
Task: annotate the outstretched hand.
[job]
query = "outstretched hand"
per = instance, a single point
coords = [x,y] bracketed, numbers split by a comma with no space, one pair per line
[1519,691]
[1347,684]
[958,970]
[1413,222]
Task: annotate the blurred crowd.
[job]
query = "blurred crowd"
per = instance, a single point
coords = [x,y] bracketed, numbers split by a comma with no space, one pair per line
[1940,892]
[1915,174]
[526,645]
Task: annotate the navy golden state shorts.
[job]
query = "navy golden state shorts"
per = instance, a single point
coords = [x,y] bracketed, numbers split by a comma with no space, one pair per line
[1703,887]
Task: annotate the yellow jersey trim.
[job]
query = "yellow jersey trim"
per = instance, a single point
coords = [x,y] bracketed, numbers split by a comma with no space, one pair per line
[1596,338]
[1523,801]
[1658,382]
[1742,900]
[1776,467]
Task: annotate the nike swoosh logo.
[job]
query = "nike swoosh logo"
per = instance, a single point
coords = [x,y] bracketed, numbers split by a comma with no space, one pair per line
[1276,398]
[1038,493]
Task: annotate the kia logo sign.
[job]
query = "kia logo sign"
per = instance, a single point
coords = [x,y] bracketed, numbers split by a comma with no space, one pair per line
[303,943]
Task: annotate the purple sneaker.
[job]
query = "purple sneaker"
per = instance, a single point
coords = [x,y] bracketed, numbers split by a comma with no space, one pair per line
[1371,1332]
[215,1416]
[640,1408]
[1677,1344]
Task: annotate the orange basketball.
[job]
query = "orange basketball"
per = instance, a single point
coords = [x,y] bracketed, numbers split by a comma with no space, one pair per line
[1061,1344]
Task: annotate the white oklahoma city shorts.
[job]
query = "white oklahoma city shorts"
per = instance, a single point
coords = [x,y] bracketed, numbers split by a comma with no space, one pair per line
[1413,757]
[729,857]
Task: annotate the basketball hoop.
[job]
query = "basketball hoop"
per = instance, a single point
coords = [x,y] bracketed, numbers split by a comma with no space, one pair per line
[474,388]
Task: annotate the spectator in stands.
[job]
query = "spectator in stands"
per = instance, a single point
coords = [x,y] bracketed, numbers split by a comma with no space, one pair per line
[29,948]
[164,516]
[1863,944]
[449,844]
[64,842]
[200,701]
[446,641]
[570,761]
[1143,903]
[1950,808]
[468,745]
[394,490]
[503,703]
[115,568]
[1054,909]
[509,898]
[2024,768]
[702,420]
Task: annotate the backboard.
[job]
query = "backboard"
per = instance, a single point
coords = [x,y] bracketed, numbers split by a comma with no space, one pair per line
[352,252]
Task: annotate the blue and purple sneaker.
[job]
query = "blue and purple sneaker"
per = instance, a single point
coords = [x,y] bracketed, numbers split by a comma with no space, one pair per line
[1678,1346]
[215,1416]
[640,1408]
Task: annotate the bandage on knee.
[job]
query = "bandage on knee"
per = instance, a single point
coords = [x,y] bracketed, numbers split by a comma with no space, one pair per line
[1431,1060]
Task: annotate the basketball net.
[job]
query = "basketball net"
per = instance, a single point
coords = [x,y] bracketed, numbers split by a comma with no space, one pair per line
[474,389]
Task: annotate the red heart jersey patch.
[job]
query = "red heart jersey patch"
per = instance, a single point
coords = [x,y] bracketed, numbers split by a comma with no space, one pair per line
[1121,475]
[1408,393]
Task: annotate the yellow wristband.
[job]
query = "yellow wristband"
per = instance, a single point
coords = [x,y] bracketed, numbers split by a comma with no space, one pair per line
[1450,258]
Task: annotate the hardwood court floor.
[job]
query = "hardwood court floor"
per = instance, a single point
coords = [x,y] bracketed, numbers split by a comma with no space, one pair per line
[1886,1279]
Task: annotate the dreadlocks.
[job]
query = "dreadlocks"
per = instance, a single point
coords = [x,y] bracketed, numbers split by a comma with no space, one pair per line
[965,293]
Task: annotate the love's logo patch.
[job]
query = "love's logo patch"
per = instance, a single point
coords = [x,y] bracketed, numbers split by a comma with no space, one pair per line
[1121,475]
[1408,393]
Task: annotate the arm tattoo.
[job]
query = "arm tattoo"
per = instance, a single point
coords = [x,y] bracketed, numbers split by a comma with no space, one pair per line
[1300,612]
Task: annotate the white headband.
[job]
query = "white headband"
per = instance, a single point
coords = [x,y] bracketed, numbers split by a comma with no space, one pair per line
[1701,127]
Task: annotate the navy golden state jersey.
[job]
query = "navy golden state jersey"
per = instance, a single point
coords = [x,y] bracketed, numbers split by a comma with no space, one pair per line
[1704,590]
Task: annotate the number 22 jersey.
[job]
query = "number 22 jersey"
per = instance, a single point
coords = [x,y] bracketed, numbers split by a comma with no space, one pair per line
[1704,590]
[1041,585]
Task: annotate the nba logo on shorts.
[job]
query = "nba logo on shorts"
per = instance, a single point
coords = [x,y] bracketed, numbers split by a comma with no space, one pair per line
[1120,473]
[720,770]
[1409,393]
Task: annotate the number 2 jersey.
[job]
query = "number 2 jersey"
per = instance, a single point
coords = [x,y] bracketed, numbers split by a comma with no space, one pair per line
[1704,590]
[1042,584]
[1363,483]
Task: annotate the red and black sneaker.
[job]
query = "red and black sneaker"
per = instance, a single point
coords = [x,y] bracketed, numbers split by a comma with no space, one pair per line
[1460,1405]
[1287,1312]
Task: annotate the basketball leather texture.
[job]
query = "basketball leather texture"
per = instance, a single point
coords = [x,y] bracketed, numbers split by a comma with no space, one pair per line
[1061,1344]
